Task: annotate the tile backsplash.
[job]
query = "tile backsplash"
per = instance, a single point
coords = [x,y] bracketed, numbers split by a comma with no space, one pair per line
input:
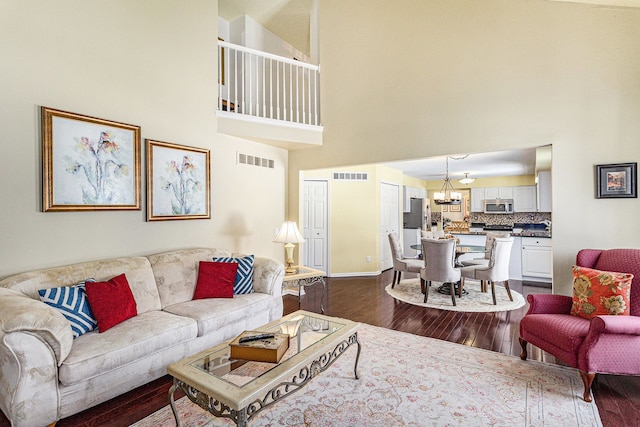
[501,219]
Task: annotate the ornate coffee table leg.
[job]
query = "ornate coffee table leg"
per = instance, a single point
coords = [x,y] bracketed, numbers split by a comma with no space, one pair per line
[172,402]
[324,292]
[355,366]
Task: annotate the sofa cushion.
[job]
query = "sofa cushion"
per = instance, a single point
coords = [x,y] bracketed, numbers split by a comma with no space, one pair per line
[96,353]
[112,301]
[215,280]
[213,314]
[138,271]
[72,302]
[598,292]
[175,272]
[244,277]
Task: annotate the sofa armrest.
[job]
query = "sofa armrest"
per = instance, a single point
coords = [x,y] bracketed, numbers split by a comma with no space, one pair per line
[20,313]
[28,379]
[625,325]
[267,276]
[549,304]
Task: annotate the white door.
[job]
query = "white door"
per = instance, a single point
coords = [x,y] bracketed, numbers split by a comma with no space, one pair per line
[389,221]
[316,225]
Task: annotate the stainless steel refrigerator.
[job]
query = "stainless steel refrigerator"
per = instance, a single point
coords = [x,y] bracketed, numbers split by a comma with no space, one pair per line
[419,216]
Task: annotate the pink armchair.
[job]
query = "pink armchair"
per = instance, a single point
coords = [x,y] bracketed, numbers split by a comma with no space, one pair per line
[604,344]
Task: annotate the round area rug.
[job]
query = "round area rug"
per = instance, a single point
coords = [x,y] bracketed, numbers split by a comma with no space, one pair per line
[475,301]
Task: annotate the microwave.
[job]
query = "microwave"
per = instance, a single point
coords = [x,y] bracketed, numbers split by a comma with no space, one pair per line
[498,206]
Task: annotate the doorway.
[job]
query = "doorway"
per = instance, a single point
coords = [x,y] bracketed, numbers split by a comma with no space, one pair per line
[315,228]
[389,220]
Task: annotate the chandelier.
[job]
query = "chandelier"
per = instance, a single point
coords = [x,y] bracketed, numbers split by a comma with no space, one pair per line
[466,180]
[447,194]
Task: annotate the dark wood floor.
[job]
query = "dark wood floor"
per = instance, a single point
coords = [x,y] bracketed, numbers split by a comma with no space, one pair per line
[363,299]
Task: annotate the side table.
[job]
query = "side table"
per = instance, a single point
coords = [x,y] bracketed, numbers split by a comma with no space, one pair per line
[306,276]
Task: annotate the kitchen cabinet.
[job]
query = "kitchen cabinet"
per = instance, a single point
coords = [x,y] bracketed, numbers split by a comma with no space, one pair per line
[477,200]
[537,258]
[498,193]
[525,198]
[412,193]
[544,191]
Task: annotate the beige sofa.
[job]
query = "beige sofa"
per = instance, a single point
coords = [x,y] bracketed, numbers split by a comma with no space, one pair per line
[47,375]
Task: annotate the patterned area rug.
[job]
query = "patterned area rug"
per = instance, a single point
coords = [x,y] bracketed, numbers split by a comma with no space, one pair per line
[407,380]
[475,301]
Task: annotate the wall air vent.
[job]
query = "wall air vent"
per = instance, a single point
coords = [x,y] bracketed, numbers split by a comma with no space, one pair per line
[350,176]
[247,159]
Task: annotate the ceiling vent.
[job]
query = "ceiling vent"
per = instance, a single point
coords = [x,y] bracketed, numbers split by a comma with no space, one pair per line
[247,159]
[350,176]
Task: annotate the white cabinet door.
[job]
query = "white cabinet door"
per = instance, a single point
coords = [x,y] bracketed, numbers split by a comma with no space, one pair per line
[515,262]
[406,199]
[505,193]
[544,191]
[477,200]
[524,198]
[491,193]
[498,193]
[537,257]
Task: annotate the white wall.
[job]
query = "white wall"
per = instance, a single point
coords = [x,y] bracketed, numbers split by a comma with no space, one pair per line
[247,32]
[414,78]
[150,63]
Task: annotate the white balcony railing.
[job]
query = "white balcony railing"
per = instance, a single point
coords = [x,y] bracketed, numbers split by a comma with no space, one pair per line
[259,84]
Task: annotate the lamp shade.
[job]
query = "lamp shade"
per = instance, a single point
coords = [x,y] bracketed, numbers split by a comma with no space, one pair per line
[289,233]
[466,180]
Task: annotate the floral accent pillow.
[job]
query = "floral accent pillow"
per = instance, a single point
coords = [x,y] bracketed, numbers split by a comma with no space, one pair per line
[598,292]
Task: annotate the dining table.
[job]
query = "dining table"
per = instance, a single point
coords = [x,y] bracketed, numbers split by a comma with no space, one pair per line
[445,288]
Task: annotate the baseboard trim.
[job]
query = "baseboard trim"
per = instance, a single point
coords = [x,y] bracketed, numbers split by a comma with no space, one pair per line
[356,274]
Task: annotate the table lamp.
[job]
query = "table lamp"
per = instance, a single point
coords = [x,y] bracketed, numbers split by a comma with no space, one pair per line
[289,235]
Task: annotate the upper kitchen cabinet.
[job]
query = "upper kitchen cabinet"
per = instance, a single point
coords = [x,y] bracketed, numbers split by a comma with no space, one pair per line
[544,191]
[524,198]
[498,193]
[477,200]
[412,193]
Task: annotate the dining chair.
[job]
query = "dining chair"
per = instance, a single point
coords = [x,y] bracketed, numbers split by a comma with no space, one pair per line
[439,265]
[400,263]
[488,245]
[497,269]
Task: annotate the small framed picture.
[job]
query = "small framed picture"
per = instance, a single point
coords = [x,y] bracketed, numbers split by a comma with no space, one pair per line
[177,182]
[88,164]
[455,208]
[615,181]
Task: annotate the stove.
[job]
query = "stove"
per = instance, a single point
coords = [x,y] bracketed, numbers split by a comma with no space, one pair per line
[498,227]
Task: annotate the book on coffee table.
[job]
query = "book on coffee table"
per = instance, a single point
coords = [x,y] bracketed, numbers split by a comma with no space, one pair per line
[260,349]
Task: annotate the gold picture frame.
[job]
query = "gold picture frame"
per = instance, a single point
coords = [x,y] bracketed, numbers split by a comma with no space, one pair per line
[178,182]
[88,164]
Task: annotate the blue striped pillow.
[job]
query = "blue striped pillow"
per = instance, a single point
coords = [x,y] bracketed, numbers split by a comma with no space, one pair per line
[244,275]
[72,302]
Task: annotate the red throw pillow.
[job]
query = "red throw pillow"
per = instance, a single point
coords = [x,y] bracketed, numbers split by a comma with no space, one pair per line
[215,280]
[111,302]
[598,292]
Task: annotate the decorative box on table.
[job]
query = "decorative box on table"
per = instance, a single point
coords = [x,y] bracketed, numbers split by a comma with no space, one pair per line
[266,350]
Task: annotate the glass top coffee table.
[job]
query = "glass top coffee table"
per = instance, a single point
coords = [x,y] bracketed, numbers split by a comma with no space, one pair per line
[240,389]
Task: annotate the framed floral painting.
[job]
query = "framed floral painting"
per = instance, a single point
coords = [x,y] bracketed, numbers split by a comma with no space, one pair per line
[177,182]
[89,164]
